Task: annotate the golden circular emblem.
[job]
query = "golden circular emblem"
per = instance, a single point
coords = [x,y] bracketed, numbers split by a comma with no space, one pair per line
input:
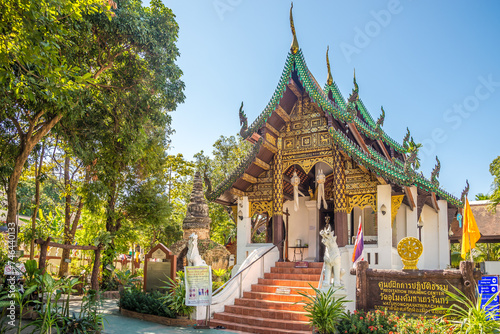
[410,249]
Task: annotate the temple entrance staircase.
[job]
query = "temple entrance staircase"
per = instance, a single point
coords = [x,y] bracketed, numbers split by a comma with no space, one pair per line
[264,311]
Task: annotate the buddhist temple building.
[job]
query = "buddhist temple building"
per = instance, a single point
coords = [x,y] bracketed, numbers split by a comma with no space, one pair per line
[308,132]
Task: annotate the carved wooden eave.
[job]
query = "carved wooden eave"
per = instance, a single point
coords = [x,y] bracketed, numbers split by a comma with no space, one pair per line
[358,137]
[434,203]
[409,196]
[283,114]
[262,164]
[294,88]
[384,150]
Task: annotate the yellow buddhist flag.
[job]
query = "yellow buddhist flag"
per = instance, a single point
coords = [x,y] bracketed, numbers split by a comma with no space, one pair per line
[470,231]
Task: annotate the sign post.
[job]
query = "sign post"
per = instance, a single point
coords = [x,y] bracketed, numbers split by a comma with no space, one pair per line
[488,287]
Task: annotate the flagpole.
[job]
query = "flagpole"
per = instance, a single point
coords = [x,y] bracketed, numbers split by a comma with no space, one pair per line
[468,234]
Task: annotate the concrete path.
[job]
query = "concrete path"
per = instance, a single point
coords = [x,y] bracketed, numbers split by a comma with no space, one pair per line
[115,323]
[118,324]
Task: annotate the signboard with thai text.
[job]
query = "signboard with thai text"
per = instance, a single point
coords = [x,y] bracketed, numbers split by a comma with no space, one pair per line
[198,285]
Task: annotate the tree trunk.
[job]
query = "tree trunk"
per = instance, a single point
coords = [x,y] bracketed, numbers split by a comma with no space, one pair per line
[112,226]
[28,142]
[63,266]
[38,171]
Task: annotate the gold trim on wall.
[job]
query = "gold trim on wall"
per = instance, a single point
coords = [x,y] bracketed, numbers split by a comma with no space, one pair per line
[395,204]
[362,201]
[261,207]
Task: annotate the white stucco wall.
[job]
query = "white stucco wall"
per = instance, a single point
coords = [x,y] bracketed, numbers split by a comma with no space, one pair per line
[430,239]
[384,226]
[298,227]
[411,216]
[444,241]
[399,227]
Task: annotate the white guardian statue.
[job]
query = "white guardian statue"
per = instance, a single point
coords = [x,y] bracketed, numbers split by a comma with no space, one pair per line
[332,258]
[193,255]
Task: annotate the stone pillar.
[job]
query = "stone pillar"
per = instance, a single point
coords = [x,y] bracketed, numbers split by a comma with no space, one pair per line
[384,231]
[313,238]
[278,199]
[339,199]
[243,229]
[443,239]
[411,216]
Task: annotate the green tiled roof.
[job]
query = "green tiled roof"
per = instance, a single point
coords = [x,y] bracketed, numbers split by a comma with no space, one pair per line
[375,162]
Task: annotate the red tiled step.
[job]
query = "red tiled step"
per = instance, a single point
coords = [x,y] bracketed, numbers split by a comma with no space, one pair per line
[255,329]
[292,264]
[273,297]
[300,271]
[263,322]
[273,288]
[292,276]
[288,283]
[269,304]
[265,313]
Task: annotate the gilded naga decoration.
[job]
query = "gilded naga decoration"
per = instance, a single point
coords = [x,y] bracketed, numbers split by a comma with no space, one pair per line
[353,98]
[380,123]
[243,121]
[406,139]
[435,173]
[465,192]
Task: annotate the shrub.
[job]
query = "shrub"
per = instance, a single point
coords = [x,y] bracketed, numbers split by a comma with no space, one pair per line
[324,310]
[376,322]
[383,322]
[175,299]
[145,302]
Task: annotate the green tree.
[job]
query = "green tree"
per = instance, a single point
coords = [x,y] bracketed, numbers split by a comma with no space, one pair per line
[39,78]
[495,171]
[227,154]
[124,137]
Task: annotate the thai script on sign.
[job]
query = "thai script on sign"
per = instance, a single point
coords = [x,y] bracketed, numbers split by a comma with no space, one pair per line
[411,297]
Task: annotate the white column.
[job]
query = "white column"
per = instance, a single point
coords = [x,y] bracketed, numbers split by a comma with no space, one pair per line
[384,232]
[411,216]
[243,229]
[444,241]
[313,236]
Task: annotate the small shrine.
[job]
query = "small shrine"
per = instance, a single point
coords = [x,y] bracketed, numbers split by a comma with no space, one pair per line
[198,222]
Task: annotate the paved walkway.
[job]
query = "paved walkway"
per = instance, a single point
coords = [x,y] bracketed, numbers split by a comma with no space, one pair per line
[118,324]
[115,323]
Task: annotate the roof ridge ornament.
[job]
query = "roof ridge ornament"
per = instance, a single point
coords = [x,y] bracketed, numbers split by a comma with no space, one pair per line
[380,120]
[354,95]
[435,173]
[329,79]
[243,121]
[295,44]
[465,192]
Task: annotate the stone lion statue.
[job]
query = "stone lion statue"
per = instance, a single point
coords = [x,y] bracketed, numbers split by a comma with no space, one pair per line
[332,258]
[193,255]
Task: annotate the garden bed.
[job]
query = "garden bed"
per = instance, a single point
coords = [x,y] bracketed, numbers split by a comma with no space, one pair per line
[158,319]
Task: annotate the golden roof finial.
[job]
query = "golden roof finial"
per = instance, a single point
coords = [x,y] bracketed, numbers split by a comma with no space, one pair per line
[295,45]
[329,79]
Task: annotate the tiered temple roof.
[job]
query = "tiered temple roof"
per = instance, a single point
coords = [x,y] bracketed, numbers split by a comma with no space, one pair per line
[350,125]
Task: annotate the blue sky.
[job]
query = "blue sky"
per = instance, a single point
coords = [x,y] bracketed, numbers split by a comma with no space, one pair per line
[434,66]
